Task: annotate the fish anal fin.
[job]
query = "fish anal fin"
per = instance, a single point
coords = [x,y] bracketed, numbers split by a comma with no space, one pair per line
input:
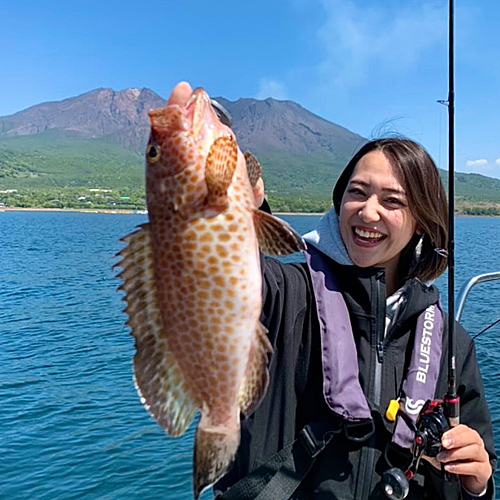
[256,378]
[219,169]
[276,237]
[254,170]
[214,450]
[158,378]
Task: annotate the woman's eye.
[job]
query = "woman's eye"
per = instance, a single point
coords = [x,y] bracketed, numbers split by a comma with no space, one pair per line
[394,202]
[356,192]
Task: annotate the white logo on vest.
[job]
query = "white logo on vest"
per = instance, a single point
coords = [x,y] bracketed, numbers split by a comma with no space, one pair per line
[413,407]
[425,346]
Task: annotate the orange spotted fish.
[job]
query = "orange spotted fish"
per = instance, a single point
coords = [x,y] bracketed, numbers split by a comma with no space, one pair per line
[192,281]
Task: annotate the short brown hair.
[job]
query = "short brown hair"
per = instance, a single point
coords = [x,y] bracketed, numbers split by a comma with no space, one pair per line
[419,176]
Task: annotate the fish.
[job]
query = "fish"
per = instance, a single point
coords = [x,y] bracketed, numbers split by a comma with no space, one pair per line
[192,281]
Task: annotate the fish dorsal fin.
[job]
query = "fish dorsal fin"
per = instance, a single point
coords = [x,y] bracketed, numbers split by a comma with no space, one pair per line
[159,381]
[256,378]
[219,169]
[254,170]
[276,237]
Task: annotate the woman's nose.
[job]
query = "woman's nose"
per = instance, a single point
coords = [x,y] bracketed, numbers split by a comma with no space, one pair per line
[369,211]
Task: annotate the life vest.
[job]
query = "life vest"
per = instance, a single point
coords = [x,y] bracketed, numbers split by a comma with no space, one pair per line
[283,472]
[341,388]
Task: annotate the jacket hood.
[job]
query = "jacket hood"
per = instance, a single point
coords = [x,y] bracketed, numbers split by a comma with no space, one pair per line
[328,240]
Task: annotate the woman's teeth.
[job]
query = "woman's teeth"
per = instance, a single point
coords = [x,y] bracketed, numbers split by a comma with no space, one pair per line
[375,235]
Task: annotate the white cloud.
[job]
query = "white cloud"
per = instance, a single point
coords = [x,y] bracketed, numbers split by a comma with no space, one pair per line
[359,40]
[476,164]
[269,87]
[483,167]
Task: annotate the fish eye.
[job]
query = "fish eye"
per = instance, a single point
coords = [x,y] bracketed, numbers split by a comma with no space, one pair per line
[152,153]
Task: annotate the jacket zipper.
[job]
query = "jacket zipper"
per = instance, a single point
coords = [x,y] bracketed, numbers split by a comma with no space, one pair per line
[379,300]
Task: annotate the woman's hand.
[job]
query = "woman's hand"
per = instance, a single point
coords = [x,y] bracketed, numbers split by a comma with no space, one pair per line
[464,453]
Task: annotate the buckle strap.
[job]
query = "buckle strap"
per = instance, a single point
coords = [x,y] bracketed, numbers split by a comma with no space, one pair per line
[316,436]
[359,431]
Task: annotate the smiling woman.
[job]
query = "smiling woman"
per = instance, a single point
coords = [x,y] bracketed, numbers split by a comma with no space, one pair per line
[393,186]
[344,327]
[375,221]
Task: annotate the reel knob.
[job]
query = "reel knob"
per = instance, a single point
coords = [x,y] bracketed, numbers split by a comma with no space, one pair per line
[395,484]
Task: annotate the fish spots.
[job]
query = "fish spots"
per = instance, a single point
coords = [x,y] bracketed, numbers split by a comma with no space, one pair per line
[207,237]
[219,280]
[221,251]
[206,274]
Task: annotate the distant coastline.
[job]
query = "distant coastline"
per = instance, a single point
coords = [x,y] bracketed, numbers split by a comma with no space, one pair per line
[142,212]
[79,210]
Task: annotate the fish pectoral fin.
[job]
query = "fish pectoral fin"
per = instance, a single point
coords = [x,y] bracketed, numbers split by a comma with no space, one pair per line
[215,447]
[219,169]
[254,170]
[276,237]
[256,379]
[158,378]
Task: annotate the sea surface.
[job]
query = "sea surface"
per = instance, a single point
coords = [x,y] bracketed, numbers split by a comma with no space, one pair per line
[71,424]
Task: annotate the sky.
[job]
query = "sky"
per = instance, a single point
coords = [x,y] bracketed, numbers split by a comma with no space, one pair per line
[374,67]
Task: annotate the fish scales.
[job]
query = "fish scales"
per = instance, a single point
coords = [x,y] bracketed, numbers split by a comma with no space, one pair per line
[209,282]
[192,281]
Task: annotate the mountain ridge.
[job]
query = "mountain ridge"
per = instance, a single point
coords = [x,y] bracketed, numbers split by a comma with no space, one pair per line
[97,139]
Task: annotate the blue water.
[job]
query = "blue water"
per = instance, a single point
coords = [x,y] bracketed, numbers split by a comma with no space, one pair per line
[72,426]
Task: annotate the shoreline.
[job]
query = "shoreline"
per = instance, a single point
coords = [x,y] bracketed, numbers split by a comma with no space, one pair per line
[77,210]
[123,211]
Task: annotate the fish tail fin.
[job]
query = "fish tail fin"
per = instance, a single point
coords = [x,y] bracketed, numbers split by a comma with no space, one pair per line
[214,451]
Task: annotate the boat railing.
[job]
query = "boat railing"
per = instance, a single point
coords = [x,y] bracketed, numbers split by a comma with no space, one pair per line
[466,288]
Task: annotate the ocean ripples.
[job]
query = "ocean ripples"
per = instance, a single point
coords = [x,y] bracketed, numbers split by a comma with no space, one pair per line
[72,424]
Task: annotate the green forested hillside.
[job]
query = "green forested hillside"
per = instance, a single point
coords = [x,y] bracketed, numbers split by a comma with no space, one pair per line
[46,170]
[46,160]
[86,151]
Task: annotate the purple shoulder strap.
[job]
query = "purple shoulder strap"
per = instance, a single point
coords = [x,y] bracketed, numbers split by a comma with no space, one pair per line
[341,387]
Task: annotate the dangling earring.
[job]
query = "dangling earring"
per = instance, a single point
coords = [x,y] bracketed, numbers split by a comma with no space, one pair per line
[417,253]
[418,249]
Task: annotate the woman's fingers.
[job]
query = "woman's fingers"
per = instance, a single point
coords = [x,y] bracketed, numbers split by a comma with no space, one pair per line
[181,93]
[464,454]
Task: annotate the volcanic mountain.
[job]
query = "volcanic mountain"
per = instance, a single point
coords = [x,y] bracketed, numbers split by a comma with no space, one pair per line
[97,139]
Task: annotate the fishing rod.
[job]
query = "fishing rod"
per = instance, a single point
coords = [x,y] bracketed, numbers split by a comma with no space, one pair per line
[451,399]
[436,416]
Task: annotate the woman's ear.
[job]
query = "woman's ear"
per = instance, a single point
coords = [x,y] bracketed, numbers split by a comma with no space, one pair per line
[419,230]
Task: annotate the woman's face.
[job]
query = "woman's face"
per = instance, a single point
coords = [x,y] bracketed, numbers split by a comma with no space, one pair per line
[375,221]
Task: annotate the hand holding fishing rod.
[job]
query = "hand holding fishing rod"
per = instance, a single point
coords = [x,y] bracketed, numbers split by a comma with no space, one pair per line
[439,437]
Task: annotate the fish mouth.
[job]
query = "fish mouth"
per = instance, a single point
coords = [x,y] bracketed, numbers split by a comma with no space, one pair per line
[200,114]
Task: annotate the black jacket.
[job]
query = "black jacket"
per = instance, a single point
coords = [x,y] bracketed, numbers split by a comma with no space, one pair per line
[345,469]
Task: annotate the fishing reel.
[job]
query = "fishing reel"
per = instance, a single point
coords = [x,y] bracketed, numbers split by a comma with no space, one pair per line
[430,427]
